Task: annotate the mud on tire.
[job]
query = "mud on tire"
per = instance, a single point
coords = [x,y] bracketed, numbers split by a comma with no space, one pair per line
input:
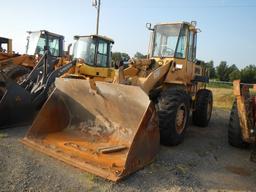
[203,108]
[234,129]
[173,113]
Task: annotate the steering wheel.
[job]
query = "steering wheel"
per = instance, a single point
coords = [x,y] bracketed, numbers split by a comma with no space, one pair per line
[167,50]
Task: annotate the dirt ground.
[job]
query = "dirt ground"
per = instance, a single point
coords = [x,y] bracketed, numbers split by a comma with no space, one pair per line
[204,162]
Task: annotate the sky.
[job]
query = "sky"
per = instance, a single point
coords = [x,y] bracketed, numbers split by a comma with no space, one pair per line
[228,26]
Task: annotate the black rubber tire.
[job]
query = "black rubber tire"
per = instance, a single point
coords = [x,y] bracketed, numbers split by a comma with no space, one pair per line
[168,104]
[234,129]
[16,72]
[2,91]
[202,113]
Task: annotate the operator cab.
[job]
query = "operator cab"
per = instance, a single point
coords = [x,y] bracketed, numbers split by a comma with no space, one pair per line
[39,41]
[94,50]
[5,45]
[174,40]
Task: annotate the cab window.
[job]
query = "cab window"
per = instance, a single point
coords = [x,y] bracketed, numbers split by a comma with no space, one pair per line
[182,43]
[190,46]
[102,55]
[40,45]
[194,49]
[54,46]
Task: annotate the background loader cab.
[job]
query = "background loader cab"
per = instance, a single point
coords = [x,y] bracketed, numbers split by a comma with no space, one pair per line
[94,58]
[6,49]
[5,46]
[16,68]
[38,41]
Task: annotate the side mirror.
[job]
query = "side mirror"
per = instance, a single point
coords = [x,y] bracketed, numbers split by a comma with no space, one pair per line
[194,23]
[149,26]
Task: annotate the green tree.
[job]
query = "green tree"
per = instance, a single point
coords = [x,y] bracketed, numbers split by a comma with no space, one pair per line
[118,56]
[210,66]
[139,55]
[222,71]
[125,56]
[248,74]
[227,73]
[234,75]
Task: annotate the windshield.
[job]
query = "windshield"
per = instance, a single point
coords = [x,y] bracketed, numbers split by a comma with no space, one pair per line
[165,40]
[54,45]
[37,42]
[84,48]
[33,39]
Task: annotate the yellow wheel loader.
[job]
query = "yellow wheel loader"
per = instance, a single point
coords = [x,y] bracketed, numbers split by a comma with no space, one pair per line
[242,129]
[16,67]
[93,54]
[114,129]
[19,102]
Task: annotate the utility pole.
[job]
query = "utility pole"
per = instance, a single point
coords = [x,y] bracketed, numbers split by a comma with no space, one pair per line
[96,4]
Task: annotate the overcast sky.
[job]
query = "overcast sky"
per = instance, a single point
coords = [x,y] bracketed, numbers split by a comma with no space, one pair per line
[228,26]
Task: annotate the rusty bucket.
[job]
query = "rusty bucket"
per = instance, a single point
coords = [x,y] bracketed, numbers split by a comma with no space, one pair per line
[107,129]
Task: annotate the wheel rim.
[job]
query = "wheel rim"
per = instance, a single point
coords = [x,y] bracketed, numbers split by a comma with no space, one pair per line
[181,118]
[209,109]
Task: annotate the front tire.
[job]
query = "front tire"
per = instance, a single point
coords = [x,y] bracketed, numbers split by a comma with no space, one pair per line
[173,113]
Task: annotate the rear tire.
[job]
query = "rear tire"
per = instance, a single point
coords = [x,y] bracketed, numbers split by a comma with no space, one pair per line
[203,108]
[234,130]
[173,113]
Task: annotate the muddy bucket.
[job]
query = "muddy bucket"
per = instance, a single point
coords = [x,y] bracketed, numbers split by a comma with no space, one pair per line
[109,129]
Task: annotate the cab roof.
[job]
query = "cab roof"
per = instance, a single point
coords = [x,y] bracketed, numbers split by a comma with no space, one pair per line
[4,40]
[190,24]
[48,33]
[105,38]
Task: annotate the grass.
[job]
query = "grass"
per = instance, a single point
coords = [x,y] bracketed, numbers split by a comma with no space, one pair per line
[222,97]
[3,135]
[220,85]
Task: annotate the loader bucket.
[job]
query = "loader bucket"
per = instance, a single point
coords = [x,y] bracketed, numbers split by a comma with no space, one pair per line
[15,105]
[110,132]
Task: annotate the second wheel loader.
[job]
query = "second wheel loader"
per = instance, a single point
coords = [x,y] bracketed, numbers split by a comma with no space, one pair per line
[242,122]
[16,67]
[114,129]
[19,103]
[6,49]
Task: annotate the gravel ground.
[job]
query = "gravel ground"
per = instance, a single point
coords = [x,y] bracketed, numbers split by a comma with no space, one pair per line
[204,162]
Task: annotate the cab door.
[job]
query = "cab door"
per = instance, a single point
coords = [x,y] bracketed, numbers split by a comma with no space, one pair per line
[191,55]
[103,60]
[100,61]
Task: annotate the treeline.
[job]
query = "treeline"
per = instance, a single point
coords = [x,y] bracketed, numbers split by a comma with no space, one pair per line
[225,72]
[118,56]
